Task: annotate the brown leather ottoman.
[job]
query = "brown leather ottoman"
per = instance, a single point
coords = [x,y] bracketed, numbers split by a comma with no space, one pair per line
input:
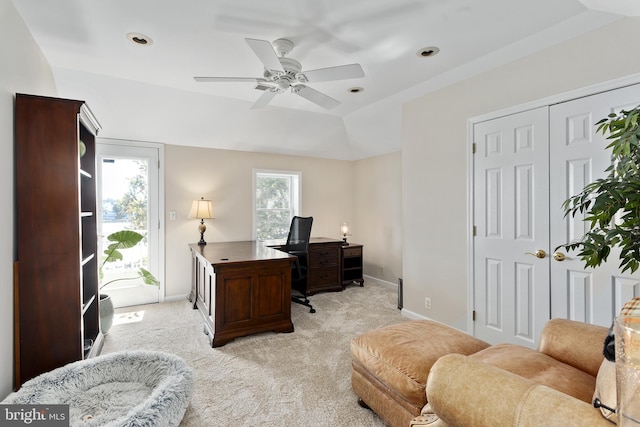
[390,365]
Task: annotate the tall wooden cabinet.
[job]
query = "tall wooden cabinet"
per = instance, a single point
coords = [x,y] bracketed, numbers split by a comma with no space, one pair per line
[56,280]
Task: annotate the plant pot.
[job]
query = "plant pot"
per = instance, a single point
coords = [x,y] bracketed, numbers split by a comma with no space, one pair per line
[106,313]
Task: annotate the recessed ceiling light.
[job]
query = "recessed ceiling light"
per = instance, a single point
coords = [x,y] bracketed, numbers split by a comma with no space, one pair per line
[428,51]
[141,39]
[355,89]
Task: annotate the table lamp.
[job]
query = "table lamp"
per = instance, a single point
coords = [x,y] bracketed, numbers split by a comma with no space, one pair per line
[201,209]
[344,231]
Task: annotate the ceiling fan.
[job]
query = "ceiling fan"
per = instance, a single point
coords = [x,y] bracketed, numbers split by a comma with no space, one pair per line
[282,74]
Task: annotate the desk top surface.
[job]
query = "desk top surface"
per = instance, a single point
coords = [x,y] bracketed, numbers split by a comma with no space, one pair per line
[313,240]
[221,253]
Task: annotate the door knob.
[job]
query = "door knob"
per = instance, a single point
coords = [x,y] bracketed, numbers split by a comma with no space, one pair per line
[540,253]
[559,256]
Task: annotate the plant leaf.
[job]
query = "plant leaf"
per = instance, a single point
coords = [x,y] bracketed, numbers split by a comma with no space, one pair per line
[147,277]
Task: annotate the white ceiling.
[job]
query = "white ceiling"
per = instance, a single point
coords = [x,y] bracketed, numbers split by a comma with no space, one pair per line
[148,93]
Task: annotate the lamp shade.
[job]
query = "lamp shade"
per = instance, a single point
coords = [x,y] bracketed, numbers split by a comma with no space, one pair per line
[201,209]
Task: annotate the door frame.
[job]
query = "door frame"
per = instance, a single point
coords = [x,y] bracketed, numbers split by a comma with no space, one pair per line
[161,191]
[542,102]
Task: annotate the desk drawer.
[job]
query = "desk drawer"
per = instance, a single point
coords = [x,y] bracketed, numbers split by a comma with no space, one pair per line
[324,279]
[320,278]
[324,256]
[352,252]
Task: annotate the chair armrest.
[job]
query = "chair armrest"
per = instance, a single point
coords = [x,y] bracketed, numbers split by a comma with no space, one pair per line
[464,392]
[575,343]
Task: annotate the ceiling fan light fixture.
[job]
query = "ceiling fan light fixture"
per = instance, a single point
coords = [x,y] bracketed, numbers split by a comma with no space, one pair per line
[427,52]
[282,74]
[140,39]
[283,85]
[355,89]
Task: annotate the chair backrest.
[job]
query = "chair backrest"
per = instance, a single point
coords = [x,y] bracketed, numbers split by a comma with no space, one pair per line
[299,234]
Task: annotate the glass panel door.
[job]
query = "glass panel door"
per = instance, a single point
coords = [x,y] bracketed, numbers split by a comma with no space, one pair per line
[128,200]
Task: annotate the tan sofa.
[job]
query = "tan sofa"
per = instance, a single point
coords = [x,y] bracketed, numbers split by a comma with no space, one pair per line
[390,365]
[499,385]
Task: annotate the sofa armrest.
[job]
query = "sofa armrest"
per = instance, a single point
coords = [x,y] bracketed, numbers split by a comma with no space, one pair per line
[575,343]
[464,392]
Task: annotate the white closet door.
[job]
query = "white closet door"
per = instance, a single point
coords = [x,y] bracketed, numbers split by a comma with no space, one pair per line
[578,157]
[511,215]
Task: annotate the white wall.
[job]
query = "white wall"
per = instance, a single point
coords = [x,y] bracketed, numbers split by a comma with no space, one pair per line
[434,155]
[23,69]
[378,214]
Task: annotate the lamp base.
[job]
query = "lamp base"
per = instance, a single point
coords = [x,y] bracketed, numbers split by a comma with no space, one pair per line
[202,228]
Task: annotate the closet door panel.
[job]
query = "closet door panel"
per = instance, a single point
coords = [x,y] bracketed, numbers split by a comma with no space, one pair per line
[578,156]
[511,213]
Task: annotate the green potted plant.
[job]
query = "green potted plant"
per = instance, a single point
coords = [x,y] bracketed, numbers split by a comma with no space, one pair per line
[612,204]
[123,239]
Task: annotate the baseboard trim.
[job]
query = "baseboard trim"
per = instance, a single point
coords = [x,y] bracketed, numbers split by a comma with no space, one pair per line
[412,315]
[380,281]
[174,298]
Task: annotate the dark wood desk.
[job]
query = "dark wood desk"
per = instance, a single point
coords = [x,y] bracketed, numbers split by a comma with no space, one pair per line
[241,288]
[324,264]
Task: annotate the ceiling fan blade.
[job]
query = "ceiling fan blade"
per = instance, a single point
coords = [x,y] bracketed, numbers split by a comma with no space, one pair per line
[265,52]
[316,97]
[229,79]
[264,99]
[341,72]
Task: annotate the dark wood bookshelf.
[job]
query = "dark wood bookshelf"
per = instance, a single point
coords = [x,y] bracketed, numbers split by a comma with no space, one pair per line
[56,280]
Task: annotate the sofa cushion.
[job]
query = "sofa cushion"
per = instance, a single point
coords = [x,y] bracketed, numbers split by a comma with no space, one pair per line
[401,355]
[539,368]
[561,337]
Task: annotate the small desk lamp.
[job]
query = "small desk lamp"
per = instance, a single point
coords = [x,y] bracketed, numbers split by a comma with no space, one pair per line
[201,209]
[344,231]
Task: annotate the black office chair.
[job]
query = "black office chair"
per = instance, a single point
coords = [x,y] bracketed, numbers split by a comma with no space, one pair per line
[298,245]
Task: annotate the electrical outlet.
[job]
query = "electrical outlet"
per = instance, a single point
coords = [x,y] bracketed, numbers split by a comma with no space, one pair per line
[427,303]
[173,215]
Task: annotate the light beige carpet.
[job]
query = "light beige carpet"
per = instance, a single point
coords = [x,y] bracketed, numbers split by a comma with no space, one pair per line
[270,379]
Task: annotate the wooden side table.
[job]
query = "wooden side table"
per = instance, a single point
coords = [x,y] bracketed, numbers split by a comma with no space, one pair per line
[351,264]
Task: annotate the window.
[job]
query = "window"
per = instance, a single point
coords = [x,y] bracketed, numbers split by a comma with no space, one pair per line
[276,202]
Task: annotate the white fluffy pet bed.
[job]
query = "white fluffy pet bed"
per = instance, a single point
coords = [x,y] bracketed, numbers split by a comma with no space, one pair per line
[132,388]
